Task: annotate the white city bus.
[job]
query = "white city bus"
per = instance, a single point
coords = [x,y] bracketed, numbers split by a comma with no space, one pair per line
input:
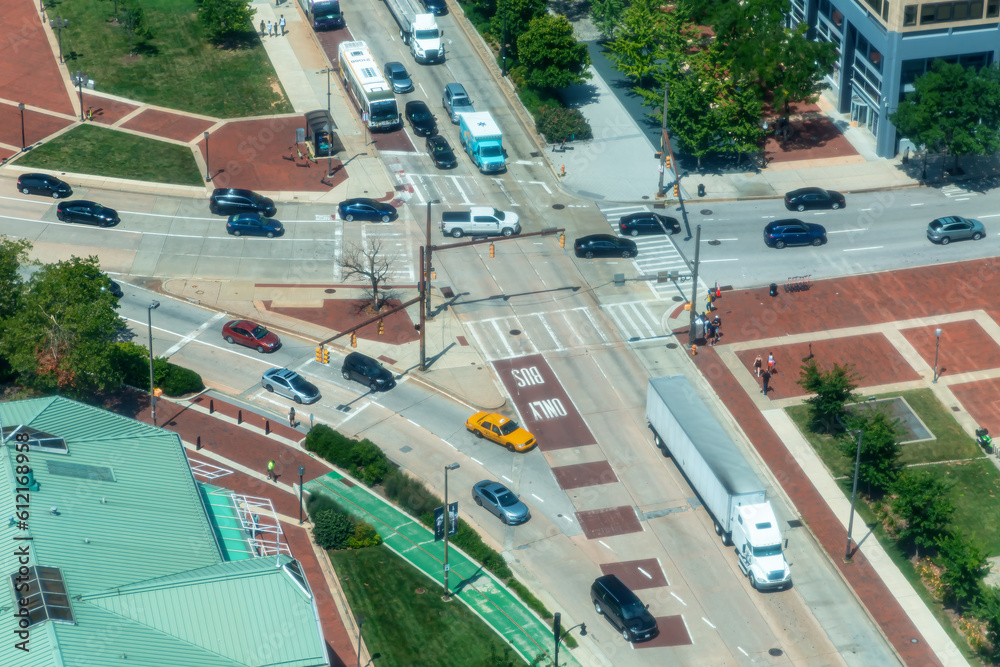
[373,94]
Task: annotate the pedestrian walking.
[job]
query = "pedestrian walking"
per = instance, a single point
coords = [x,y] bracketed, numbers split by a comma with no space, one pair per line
[262,33]
[757,364]
[270,29]
[282,24]
[270,471]
[717,321]
[765,380]
[291,417]
[770,362]
[710,334]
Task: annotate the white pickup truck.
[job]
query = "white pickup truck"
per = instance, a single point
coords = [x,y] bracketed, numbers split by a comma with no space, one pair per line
[480,221]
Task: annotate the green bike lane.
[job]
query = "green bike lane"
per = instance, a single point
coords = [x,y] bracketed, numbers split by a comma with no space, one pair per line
[476,587]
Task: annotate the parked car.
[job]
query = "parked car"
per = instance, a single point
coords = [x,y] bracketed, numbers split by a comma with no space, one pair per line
[648,223]
[623,609]
[362,208]
[250,334]
[501,430]
[254,224]
[455,101]
[501,501]
[954,228]
[229,201]
[398,77]
[808,198]
[43,184]
[420,118]
[290,385]
[604,245]
[440,151]
[367,371]
[780,233]
[87,213]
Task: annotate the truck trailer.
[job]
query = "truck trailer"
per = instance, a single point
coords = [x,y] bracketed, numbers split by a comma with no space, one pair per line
[482,139]
[684,428]
[418,30]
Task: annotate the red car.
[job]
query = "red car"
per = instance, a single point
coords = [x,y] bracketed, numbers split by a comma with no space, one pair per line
[250,334]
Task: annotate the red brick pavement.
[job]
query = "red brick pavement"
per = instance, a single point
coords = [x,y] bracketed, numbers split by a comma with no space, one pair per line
[982,400]
[37,125]
[31,70]
[178,126]
[253,450]
[342,314]
[107,111]
[965,347]
[809,139]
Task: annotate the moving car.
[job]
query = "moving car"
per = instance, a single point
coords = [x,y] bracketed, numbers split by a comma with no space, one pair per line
[87,213]
[455,101]
[250,334]
[604,245]
[780,233]
[807,198]
[623,609]
[290,385]
[367,371]
[501,501]
[441,153]
[500,430]
[954,228]
[253,224]
[43,184]
[362,208]
[229,201]
[398,77]
[421,119]
[648,223]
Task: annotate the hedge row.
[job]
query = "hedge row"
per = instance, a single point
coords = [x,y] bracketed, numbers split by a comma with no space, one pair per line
[362,459]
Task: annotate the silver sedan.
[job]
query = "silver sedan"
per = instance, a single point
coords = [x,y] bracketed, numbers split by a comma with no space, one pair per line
[290,385]
[954,228]
[501,501]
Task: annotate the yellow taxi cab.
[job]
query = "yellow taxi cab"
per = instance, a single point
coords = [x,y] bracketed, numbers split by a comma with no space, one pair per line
[500,430]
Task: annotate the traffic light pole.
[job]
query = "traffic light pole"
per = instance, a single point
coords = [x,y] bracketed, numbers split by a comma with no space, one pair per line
[664,142]
[423,310]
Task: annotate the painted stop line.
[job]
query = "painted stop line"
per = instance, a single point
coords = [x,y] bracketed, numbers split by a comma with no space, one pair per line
[544,406]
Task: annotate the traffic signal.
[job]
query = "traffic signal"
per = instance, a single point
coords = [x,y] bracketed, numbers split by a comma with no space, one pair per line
[657,154]
[434,275]
[319,354]
[493,251]
[354,340]
[381,328]
[562,240]
[677,191]
[666,161]
[326,356]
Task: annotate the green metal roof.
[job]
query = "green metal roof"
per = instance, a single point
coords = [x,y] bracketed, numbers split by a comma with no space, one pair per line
[120,514]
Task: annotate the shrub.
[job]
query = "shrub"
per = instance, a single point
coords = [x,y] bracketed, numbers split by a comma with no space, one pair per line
[132,361]
[557,124]
[332,529]
[175,380]
[529,599]
[364,535]
[376,472]
[318,439]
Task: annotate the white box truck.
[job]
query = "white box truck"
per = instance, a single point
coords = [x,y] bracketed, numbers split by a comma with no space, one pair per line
[684,428]
[417,30]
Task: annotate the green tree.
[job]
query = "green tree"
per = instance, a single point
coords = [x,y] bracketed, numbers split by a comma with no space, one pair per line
[62,338]
[989,611]
[607,15]
[13,253]
[226,19]
[879,467]
[952,109]
[550,56]
[519,14]
[639,43]
[332,529]
[922,502]
[965,566]
[133,22]
[798,73]
[834,389]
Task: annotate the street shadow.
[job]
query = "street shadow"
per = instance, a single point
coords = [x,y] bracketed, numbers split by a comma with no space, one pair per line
[508,297]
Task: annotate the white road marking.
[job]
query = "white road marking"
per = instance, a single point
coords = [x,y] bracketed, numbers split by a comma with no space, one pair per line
[679,599]
[991,215]
[523,162]
[918,204]
[191,336]
[537,498]
[874,247]
[476,460]
[712,261]
[847,231]
[743,652]
[605,545]
[552,334]
[648,575]
[708,622]
[510,351]
[567,518]
[354,413]
[465,198]
[541,183]
[507,478]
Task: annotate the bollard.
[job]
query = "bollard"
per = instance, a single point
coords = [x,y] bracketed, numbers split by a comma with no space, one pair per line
[267,427]
[774,289]
[239,417]
[197,445]
[211,406]
[563,171]
[701,189]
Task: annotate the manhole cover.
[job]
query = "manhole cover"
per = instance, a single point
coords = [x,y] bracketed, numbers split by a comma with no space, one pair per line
[420,591]
[706,211]
[201,291]
[715,242]
[515,332]
[775,652]
[678,298]
[645,196]
[558,207]
[671,346]
[329,290]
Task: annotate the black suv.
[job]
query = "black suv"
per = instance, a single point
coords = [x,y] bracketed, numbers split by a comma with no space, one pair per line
[367,371]
[43,184]
[230,201]
[623,609]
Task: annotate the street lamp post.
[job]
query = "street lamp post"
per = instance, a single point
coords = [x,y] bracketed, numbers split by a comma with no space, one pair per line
[361,621]
[328,89]
[427,284]
[692,335]
[423,318]
[20,107]
[854,495]
[664,146]
[208,172]
[80,78]
[302,471]
[58,24]
[559,635]
[447,527]
[937,346]
[152,390]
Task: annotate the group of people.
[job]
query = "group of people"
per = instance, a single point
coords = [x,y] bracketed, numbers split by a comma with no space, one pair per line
[272,27]
[764,372]
[713,330]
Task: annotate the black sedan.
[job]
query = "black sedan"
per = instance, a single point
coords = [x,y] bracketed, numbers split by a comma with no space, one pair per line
[87,212]
[43,184]
[254,224]
[808,198]
[363,208]
[604,245]
[440,151]
[780,233]
[648,223]
[420,118]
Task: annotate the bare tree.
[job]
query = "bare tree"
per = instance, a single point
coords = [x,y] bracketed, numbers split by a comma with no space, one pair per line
[373,263]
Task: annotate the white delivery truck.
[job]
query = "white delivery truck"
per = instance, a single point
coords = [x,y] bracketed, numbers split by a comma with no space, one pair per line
[418,30]
[684,428]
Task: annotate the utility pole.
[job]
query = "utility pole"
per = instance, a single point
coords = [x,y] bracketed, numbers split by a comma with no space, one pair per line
[664,141]
[694,285]
[423,318]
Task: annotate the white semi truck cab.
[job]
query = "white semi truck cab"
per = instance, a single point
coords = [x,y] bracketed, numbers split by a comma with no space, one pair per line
[758,542]
[418,30]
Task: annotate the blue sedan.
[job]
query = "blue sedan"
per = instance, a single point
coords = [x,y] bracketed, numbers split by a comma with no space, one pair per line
[363,208]
[254,224]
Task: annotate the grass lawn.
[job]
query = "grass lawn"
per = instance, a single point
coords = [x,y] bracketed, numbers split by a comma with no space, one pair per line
[90,149]
[176,67]
[951,441]
[405,627]
[976,490]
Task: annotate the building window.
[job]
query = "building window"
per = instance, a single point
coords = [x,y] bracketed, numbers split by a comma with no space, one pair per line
[945,12]
[992,8]
[910,15]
